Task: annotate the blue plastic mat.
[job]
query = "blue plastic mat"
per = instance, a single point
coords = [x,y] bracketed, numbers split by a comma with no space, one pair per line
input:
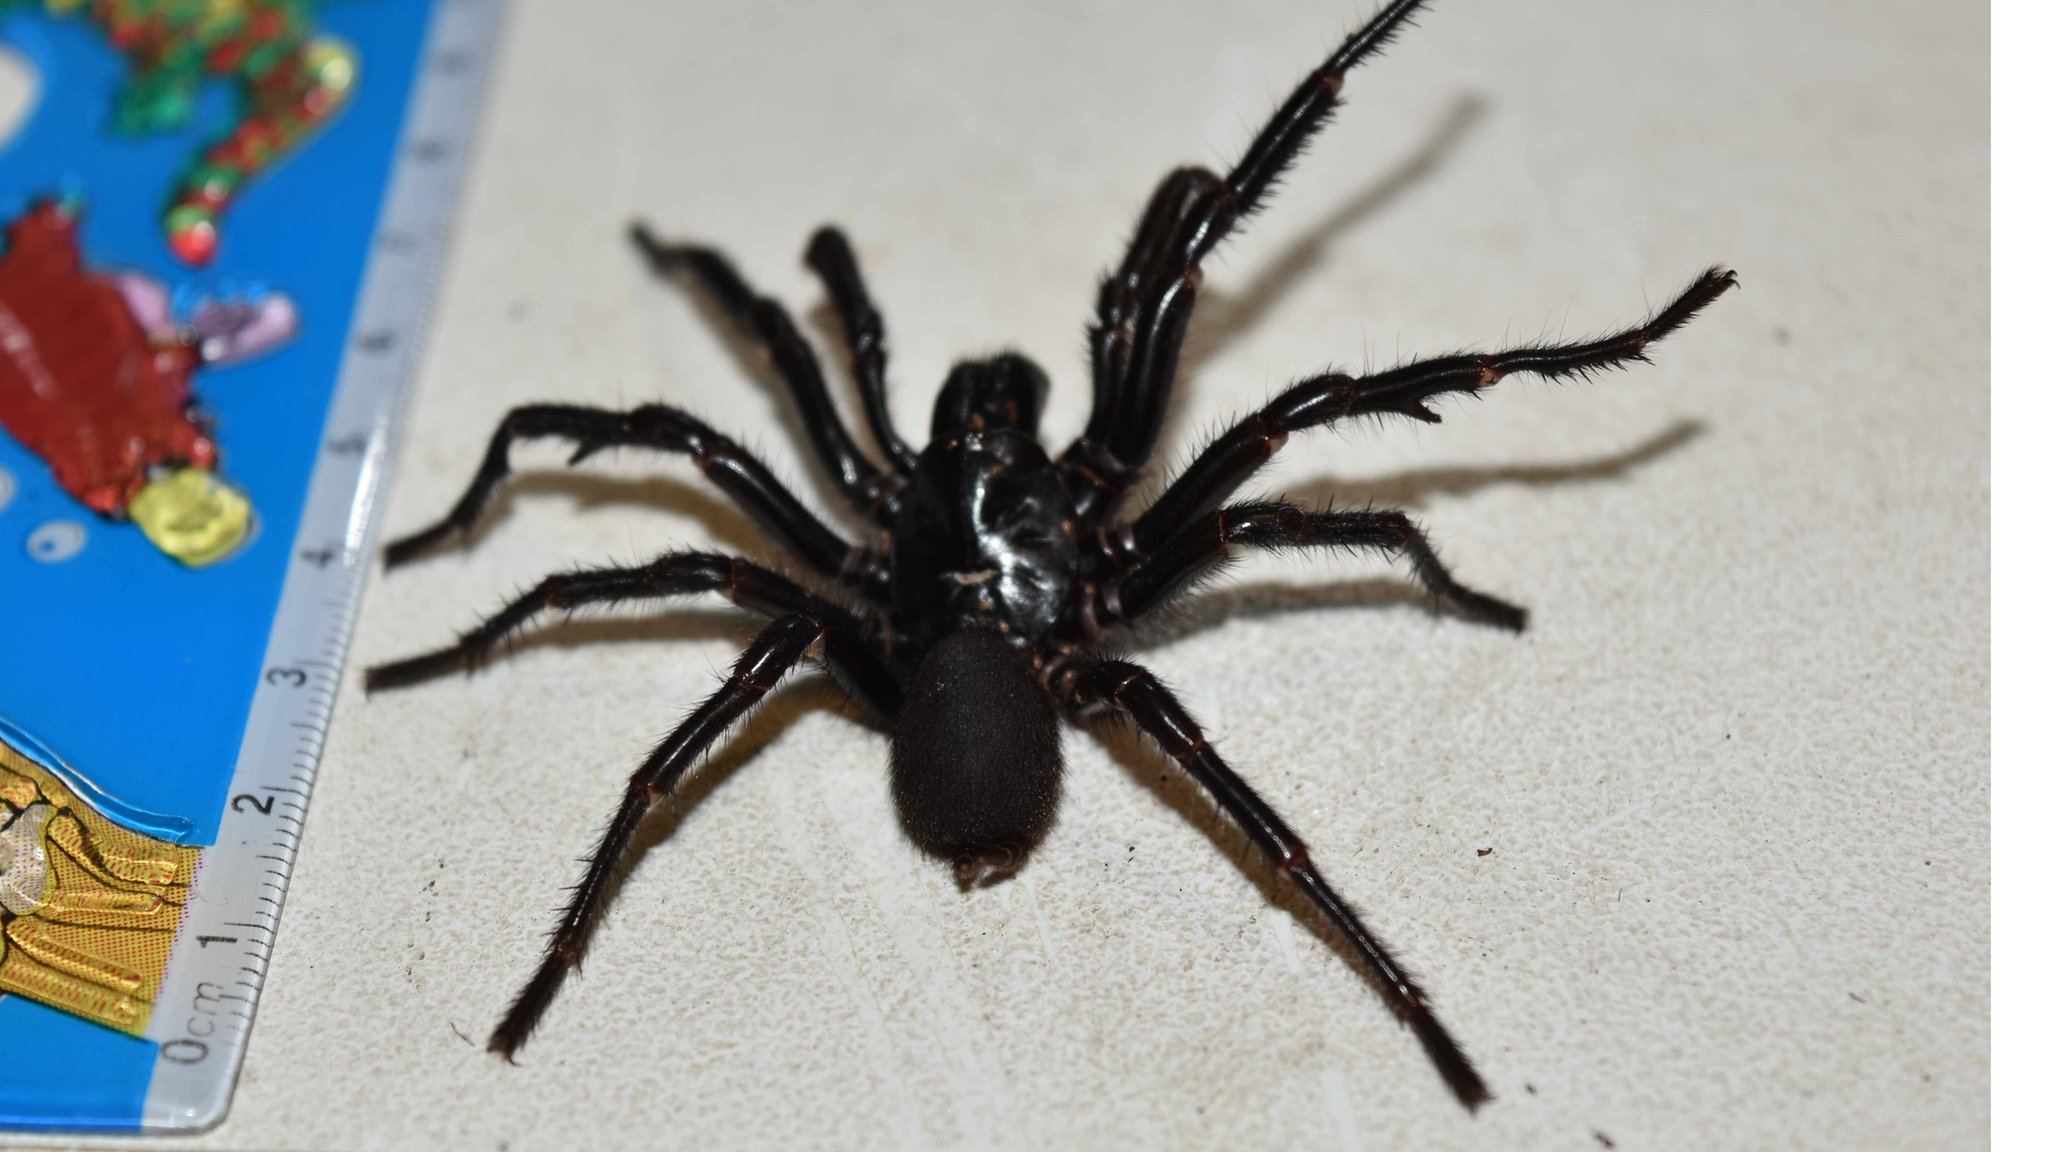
[132,669]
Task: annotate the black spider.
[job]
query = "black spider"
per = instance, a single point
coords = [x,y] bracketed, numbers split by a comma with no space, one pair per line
[974,618]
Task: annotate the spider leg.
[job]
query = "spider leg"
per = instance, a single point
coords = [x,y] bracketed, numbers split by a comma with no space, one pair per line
[1109,337]
[746,584]
[1166,296]
[772,654]
[730,467]
[1113,685]
[831,257]
[766,321]
[1203,545]
[1231,458]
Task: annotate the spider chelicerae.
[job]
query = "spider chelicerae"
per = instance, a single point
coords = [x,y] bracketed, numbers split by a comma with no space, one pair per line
[993,574]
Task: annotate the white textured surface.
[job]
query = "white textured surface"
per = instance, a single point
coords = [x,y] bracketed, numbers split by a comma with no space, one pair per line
[1733,779]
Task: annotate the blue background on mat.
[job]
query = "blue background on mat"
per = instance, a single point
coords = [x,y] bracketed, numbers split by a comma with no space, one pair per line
[135,670]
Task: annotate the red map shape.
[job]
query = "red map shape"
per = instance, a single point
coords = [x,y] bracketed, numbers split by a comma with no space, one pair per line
[81,384]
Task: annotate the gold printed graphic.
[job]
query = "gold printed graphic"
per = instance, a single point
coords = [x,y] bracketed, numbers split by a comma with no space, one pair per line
[88,909]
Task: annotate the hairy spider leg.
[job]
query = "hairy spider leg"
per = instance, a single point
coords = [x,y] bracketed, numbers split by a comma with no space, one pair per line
[731,468]
[1166,293]
[1205,544]
[1130,689]
[747,584]
[765,321]
[1244,448]
[772,654]
[1088,472]
[832,258]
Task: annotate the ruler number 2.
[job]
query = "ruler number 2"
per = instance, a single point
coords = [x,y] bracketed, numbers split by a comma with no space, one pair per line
[243,802]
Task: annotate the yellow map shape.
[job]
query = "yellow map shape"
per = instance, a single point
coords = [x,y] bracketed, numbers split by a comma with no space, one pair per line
[88,909]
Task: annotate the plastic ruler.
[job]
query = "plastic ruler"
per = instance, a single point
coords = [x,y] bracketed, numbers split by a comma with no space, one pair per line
[209,996]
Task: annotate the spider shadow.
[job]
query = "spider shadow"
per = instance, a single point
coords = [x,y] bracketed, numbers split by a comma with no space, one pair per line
[752,358]
[676,626]
[773,716]
[1215,606]
[1415,489]
[721,521]
[1220,317]
[1153,769]
[1136,755]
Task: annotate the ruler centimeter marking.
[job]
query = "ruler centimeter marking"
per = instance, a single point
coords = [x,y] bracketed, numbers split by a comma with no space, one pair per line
[210,988]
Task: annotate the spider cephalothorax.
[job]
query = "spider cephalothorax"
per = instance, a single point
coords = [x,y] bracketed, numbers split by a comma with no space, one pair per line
[996,570]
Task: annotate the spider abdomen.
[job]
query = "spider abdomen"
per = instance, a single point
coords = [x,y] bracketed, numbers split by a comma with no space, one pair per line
[975,759]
